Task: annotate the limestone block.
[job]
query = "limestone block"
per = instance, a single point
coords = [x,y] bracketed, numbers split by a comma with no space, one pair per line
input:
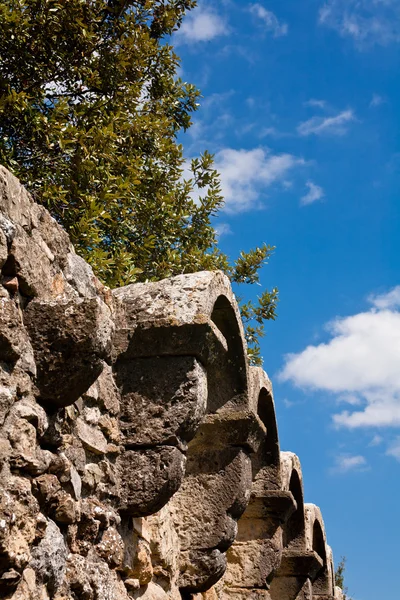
[91,578]
[291,588]
[163,400]
[191,315]
[104,392]
[237,593]
[14,340]
[16,204]
[231,427]
[111,547]
[213,495]
[18,514]
[160,532]
[148,479]
[251,563]
[49,558]
[91,437]
[31,261]
[200,570]
[69,340]
[3,246]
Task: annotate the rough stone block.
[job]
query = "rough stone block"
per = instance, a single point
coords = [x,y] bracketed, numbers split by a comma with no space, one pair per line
[163,400]
[148,479]
[199,571]
[70,340]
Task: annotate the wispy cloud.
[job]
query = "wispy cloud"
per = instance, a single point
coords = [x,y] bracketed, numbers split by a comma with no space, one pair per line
[336,125]
[367,22]
[376,440]
[376,101]
[394,449]
[315,193]
[247,174]
[202,24]
[360,360]
[269,20]
[315,103]
[347,462]
[223,229]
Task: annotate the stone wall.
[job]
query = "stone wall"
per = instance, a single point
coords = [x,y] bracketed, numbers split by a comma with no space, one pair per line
[139,453]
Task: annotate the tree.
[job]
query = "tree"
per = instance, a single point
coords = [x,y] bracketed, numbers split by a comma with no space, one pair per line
[90,110]
[339,577]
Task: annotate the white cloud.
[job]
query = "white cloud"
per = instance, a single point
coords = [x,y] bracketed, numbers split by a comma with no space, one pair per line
[202,24]
[269,20]
[336,125]
[223,229]
[315,103]
[394,449]
[246,174]
[367,22]
[389,300]
[315,193]
[273,132]
[360,360]
[346,462]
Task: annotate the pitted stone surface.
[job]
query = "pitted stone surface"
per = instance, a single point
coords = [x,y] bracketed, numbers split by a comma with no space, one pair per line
[136,445]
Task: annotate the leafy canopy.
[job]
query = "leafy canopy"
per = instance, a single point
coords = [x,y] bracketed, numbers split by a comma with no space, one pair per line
[90,110]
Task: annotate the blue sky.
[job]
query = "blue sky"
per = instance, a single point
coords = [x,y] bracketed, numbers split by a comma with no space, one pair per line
[301,108]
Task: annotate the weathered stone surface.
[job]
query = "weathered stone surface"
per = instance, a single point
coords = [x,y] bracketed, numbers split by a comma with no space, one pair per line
[199,571]
[163,400]
[211,500]
[155,475]
[69,341]
[13,338]
[91,437]
[104,392]
[104,400]
[191,315]
[49,558]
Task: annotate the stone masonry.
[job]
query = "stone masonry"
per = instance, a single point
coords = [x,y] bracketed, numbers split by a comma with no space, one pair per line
[139,453]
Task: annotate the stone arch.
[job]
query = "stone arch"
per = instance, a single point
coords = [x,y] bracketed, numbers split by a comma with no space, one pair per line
[292,481]
[322,581]
[266,462]
[298,565]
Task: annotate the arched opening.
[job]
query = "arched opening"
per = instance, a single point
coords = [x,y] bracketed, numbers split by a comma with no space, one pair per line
[266,412]
[318,541]
[322,581]
[294,530]
[227,375]
[224,317]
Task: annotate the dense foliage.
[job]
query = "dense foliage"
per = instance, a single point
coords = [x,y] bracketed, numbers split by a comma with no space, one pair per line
[90,110]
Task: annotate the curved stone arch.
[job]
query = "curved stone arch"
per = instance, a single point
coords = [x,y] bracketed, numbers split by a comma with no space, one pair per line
[188,315]
[292,481]
[256,554]
[298,565]
[322,582]
[266,462]
[331,568]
